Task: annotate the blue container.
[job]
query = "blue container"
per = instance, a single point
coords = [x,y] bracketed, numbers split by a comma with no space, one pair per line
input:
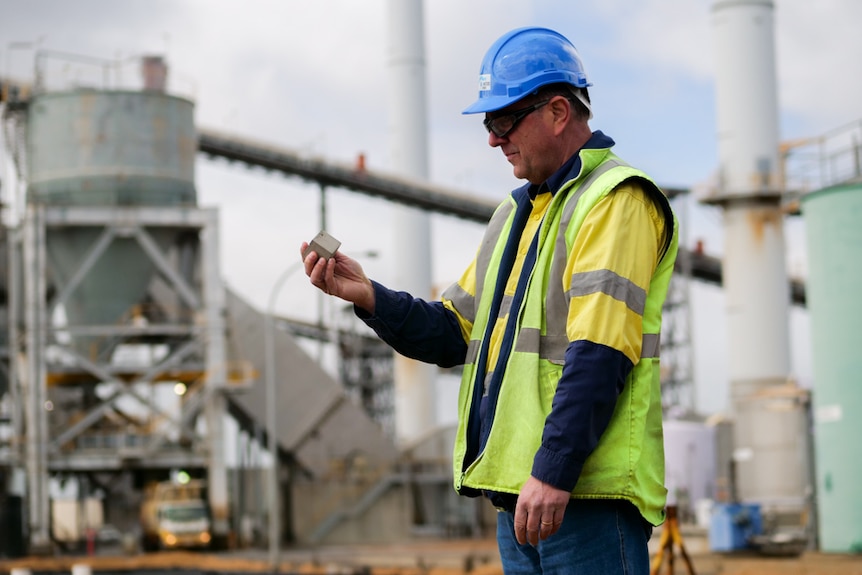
[732,525]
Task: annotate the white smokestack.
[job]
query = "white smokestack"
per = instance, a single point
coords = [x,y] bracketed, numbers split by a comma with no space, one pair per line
[414,381]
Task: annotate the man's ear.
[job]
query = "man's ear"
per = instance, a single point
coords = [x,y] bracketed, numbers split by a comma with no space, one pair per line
[563,112]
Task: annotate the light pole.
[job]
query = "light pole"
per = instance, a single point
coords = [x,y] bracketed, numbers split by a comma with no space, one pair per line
[271,429]
[269,350]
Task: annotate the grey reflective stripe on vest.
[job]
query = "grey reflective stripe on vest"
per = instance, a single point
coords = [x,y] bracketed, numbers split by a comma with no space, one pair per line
[651,345]
[609,283]
[489,241]
[483,262]
[505,305]
[553,348]
[556,302]
[462,301]
[487,383]
[472,351]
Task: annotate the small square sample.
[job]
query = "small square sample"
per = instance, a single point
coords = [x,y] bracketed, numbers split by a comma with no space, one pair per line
[323,244]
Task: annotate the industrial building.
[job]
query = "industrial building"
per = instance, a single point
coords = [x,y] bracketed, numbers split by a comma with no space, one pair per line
[127,360]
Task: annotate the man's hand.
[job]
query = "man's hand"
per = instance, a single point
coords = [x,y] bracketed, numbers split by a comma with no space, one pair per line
[340,276]
[539,512]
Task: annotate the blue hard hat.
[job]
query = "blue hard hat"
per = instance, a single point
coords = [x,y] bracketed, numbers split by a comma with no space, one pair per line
[522,61]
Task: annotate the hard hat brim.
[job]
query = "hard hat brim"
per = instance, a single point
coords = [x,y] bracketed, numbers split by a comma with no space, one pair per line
[491,104]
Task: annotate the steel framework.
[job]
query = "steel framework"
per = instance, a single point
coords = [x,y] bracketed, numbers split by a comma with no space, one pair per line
[184,316]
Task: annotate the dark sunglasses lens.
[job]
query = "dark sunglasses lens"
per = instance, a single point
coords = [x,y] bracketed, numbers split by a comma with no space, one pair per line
[501,125]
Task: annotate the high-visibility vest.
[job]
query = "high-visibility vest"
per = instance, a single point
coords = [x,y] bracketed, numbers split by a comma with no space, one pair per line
[628,462]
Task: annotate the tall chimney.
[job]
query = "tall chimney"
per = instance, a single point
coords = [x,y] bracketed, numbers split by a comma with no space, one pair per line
[408,138]
[769,418]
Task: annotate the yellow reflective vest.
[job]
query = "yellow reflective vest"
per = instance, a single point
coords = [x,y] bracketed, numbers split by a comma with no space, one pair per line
[628,462]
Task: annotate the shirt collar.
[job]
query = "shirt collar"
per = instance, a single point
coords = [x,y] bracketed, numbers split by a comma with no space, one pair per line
[572,167]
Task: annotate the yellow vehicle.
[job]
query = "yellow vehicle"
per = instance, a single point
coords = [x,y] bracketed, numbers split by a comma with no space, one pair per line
[175,516]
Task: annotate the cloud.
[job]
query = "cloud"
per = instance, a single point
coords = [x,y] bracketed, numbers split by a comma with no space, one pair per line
[312,75]
[817,45]
[659,36]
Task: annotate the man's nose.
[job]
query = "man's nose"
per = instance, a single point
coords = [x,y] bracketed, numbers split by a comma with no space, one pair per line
[494,140]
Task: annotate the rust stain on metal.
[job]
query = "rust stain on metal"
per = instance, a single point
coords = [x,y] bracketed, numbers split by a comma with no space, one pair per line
[761,219]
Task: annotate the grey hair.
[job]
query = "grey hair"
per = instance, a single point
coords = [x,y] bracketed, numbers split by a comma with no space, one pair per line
[579,97]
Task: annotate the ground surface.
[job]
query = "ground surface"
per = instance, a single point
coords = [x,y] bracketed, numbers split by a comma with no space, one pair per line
[475,556]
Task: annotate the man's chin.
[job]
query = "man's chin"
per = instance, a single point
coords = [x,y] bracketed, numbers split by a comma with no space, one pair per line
[519,174]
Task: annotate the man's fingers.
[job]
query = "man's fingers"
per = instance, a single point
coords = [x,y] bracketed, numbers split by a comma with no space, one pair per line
[529,533]
[317,272]
[330,276]
[520,523]
[520,533]
[548,528]
[525,534]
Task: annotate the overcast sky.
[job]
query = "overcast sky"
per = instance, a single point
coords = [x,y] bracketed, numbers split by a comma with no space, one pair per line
[311,75]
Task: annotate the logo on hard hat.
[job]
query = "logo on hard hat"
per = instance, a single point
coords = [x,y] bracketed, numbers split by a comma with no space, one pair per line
[484,82]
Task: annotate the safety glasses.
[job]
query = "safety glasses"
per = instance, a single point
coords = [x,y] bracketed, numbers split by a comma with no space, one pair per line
[502,125]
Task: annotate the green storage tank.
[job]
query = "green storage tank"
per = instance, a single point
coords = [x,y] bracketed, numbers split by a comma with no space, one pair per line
[108,148]
[833,220]
[98,148]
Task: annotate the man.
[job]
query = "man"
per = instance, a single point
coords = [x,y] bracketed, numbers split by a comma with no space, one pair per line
[556,322]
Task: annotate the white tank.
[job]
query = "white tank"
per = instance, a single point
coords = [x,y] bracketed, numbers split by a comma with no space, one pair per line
[690,464]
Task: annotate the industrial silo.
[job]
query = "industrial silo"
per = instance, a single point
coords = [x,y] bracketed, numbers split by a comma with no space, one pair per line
[112,236]
[834,236]
[107,148]
[769,459]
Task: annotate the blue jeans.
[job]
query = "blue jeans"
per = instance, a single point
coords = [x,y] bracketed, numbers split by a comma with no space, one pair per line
[597,537]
